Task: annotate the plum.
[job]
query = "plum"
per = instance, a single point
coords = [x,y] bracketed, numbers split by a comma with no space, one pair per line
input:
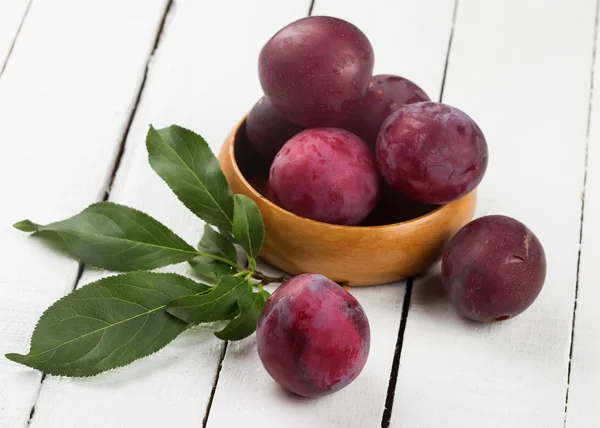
[316,70]
[268,130]
[493,268]
[394,207]
[313,336]
[432,152]
[325,174]
[386,94]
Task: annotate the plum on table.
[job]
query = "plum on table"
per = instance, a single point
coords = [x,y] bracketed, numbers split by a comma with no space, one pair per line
[313,336]
[493,268]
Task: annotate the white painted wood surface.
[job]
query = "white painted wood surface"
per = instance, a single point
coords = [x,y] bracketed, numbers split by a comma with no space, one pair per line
[527,86]
[520,68]
[584,389]
[199,79]
[64,102]
[11,16]
[244,388]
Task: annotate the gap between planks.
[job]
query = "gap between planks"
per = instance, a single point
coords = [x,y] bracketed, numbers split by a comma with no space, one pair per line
[583,193]
[12,45]
[105,191]
[214,387]
[391,392]
[311,7]
[224,351]
[116,164]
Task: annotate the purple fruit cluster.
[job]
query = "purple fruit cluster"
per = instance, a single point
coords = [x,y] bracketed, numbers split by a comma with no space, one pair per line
[320,93]
[348,147]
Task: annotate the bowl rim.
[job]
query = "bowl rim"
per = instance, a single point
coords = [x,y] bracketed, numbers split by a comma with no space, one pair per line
[231,153]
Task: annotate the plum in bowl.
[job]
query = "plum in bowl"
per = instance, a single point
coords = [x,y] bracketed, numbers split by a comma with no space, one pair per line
[359,255]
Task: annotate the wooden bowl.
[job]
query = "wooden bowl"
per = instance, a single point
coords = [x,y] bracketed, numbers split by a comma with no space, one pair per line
[359,255]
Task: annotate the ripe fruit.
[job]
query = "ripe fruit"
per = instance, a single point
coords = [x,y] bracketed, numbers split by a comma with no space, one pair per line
[493,268]
[316,70]
[386,94]
[313,336]
[268,130]
[393,207]
[431,152]
[325,174]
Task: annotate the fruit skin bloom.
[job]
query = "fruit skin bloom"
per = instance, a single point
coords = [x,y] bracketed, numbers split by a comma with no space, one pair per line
[493,269]
[316,70]
[431,152]
[268,130]
[386,94]
[325,174]
[313,337]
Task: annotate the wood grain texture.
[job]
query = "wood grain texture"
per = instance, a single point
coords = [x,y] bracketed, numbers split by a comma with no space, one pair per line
[202,77]
[245,393]
[527,87]
[11,16]
[64,102]
[583,410]
[298,245]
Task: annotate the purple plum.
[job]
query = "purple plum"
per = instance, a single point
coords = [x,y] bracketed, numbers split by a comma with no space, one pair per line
[313,336]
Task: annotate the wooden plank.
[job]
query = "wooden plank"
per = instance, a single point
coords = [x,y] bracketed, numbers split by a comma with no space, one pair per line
[11,16]
[584,388]
[203,77]
[245,392]
[64,105]
[527,86]
[409,40]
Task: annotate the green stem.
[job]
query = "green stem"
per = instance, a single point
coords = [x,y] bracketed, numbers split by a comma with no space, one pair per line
[250,273]
[252,264]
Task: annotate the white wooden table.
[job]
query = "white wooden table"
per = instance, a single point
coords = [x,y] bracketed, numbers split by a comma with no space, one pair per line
[82,79]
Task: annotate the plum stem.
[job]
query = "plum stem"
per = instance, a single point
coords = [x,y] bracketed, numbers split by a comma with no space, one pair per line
[266,280]
[253,273]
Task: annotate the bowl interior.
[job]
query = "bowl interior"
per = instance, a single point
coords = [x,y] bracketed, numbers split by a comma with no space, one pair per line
[391,208]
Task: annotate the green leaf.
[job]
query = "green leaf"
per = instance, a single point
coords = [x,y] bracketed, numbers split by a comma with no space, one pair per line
[248,227]
[107,324]
[244,324]
[26,226]
[185,162]
[220,303]
[215,243]
[211,270]
[117,238]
